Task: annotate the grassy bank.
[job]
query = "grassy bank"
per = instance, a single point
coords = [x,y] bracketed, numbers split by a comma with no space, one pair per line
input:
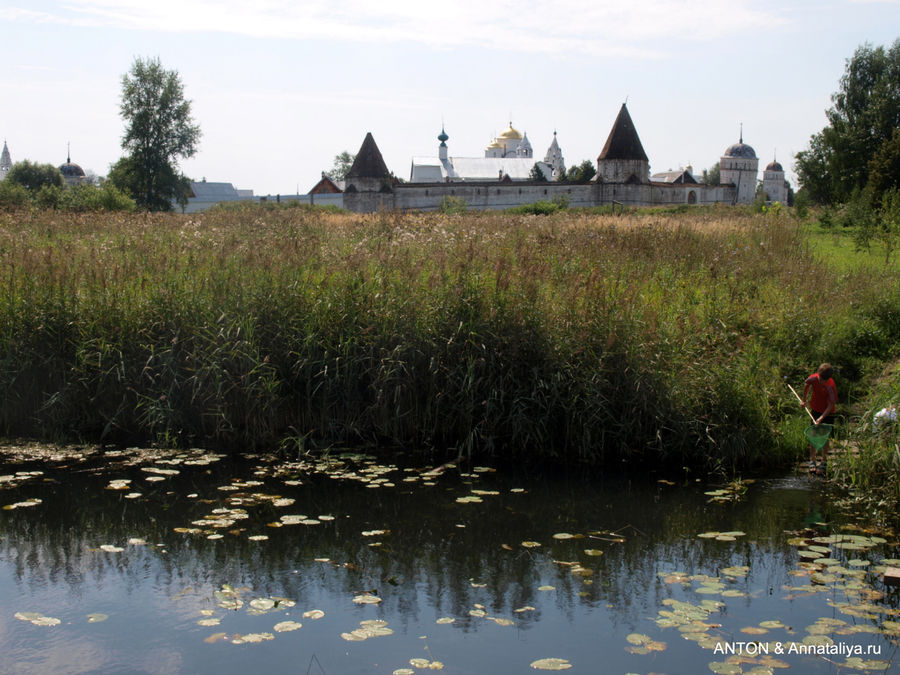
[572,338]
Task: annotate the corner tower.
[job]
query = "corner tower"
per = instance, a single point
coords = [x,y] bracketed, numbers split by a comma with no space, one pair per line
[773,183]
[623,159]
[739,166]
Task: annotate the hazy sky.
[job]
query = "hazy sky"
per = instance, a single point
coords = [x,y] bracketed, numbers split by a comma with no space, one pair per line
[280,87]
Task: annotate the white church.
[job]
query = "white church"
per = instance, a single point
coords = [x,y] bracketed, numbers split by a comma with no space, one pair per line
[509,154]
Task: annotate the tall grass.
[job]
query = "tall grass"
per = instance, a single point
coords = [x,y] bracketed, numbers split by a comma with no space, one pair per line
[573,338]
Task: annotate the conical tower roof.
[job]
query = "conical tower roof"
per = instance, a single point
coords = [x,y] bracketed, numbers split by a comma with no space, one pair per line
[368,163]
[623,141]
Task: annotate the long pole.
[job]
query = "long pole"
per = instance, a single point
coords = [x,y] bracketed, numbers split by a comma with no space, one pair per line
[804,407]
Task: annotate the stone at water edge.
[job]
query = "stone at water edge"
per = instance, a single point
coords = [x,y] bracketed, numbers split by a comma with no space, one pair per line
[892,576]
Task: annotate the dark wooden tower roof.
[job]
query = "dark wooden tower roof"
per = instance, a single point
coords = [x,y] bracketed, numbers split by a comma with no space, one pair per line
[623,141]
[368,163]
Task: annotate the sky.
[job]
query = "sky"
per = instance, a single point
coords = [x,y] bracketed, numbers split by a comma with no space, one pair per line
[279,87]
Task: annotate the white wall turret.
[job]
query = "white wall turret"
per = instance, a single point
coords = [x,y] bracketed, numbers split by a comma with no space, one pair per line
[739,166]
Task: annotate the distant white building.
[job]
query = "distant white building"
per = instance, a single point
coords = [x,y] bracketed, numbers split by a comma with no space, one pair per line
[72,173]
[5,162]
[205,195]
[510,155]
[739,166]
[773,183]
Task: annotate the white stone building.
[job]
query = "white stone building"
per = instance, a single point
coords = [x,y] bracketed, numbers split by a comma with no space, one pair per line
[739,166]
[773,183]
[509,154]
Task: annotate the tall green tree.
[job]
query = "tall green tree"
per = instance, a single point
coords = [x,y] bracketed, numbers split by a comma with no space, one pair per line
[33,176]
[863,117]
[341,166]
[712,175]
[159,130]
[536,174]
[884,168]
[581,173]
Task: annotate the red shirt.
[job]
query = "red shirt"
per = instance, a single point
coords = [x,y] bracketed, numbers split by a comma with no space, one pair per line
[823,392]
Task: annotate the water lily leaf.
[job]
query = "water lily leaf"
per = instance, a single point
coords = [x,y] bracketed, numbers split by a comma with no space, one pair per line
[286,626]
[97,617]
[736,571]
[552,663]
[419,663]
[530,544]
[46,621]
[445,620]
[638,638]
[216,637]
[774,623]
[262,603]
[27,616]
[563,535]
[754,630]
[526,608]
[500,621]
[258,537]
[313,614]
[109,548]
[817,640]
[366,599]
[256,637]
[404,671]
[547,588]
[723,668]
[857,663]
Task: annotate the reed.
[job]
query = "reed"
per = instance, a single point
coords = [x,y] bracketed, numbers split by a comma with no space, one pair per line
[574,338]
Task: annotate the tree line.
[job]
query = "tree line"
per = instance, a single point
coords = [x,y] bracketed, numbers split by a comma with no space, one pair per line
[159,131]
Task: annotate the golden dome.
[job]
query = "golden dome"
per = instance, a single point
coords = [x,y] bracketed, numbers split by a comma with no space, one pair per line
[511,133]
[494,144]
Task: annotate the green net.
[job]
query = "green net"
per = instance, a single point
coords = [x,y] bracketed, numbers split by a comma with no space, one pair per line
[818,434]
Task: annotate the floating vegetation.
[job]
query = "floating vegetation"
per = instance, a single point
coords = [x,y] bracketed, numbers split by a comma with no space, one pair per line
[722,536]
[366,599]
[37,619]
[731,492]
[23,505]
[313,614]
[425,664]
[369,628]
[551,663]
[97,617]
[287,626]
[109,548]
[251,638]
[643,644]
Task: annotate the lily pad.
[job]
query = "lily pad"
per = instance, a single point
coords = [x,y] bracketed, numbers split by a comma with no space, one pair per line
[313,614]
[552,663]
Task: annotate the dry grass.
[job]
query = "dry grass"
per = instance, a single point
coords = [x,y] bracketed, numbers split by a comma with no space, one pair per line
[572,337]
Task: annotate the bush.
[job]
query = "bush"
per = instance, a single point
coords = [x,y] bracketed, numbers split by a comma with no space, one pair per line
[13,195]
[451,204]
[542,208]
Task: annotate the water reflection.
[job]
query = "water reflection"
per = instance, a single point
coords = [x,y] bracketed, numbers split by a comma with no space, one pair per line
[436,557]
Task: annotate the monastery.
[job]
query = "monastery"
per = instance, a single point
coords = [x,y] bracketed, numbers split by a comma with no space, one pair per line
[503,178]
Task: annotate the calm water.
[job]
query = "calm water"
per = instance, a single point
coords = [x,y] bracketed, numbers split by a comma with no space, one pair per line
[559,567]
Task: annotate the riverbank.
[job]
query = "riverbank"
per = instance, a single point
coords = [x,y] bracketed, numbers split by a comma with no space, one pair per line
[575,339]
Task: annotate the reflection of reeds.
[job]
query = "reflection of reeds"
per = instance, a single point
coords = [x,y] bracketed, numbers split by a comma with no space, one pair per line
[574,337]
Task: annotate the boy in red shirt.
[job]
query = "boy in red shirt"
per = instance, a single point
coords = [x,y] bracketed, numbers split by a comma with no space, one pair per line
[823,403]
